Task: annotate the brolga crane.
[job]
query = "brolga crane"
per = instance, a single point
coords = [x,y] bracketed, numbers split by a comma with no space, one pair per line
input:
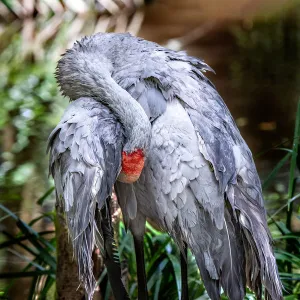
[151,114]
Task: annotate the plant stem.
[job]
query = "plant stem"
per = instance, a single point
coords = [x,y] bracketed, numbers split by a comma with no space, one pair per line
[290,244]
[293,164]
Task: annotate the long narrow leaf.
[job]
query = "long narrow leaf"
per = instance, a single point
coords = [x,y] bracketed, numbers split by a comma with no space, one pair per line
[294,156]
[283,206]
[26,229]
[274,172]
[152,279]
[34,284]
[102,276]
[35,239]
[177,272]
[28,260]
[13,241]
[47,286]
[108,291]
[8,212]
[157,286]
[43,216]
[24,274]
[17,240]
[161,249]
[45,196]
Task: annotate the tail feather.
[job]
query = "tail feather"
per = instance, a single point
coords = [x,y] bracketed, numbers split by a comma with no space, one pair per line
[219,255]
[79,202]
[237,255]
[261,268]
[232,261]
[212,286]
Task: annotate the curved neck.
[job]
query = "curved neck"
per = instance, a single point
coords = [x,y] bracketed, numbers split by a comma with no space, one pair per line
[88,74]
[130,113]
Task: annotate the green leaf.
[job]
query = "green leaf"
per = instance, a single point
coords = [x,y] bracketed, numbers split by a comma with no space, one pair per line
[283,237]
[11,275]
[102,276]
[274,172]
[294,156]
[33,235]
[17,241]
[44,215]
[34,284]
[8,4]
[282,207]
[45,196]
[177,271]
[47,286]
[38,242]
[290,297]
[108,291]
[152,279]
[8,212]
[25,258]
[158,253]
[157,286]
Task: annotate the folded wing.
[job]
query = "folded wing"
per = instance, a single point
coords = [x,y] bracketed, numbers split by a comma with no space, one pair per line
[173,75]
[85,159]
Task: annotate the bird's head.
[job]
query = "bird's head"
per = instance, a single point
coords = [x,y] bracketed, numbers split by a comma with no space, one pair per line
[132,166]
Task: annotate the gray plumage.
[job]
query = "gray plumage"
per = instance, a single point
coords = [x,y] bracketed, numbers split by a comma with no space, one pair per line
[85,159]
[199,182]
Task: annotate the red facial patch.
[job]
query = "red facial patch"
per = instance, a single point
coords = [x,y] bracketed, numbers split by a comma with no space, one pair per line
[132,166]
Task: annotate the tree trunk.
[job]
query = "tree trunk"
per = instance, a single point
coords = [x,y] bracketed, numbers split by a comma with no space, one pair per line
[67,282]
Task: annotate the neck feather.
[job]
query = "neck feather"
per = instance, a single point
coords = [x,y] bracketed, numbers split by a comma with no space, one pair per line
[88,74]
[130,113]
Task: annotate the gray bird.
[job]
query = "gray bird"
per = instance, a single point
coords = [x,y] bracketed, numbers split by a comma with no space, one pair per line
[148,116]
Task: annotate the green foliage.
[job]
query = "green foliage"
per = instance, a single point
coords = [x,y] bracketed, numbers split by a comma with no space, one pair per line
[287,249]
[32,36]
[162,266]
[268,53]
[161,255]
[29,99]
[264,72]
[36,250]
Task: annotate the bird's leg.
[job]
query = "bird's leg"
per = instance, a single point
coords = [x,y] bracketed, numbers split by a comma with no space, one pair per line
[137,227]
[184,273]
[111,256]
[140,266]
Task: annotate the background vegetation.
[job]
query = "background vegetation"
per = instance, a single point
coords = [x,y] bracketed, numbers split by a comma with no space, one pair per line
[257,62]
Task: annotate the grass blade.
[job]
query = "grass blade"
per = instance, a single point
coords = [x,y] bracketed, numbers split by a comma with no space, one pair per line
[274,172]
[177,272]
[45,196]
[153,278]
[294,157]
[11,275]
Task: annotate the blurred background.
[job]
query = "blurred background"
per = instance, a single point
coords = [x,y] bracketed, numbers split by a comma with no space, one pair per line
[254,48]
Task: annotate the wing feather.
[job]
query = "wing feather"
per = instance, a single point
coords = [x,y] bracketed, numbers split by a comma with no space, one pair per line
[221,144]
[84,162]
